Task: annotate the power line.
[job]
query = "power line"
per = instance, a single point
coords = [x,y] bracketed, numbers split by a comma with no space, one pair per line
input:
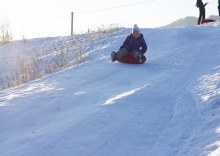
[48,20]
[114,7]
[90,12]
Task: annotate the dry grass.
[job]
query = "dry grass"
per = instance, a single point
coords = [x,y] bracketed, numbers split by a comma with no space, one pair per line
[55,58]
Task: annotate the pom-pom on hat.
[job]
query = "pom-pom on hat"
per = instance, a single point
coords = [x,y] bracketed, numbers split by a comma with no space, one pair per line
[136,28]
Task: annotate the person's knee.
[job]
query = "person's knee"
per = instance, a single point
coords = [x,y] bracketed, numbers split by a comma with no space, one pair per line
[122,52]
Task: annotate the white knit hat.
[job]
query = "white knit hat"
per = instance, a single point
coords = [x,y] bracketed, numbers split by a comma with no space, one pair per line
[136,28]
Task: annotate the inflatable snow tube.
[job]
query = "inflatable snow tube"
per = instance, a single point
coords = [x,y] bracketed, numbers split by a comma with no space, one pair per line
[131,60]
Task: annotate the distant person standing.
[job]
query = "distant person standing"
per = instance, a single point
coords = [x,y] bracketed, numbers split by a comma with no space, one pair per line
[201,7]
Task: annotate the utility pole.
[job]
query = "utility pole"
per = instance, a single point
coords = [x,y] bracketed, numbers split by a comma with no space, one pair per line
[71,23]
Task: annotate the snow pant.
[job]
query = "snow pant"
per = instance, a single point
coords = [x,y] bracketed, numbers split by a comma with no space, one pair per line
[201,15]
[121,53]
[124,52]
[135,54]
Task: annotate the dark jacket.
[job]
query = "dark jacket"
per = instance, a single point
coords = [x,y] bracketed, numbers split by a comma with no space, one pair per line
[132,43]
[200,4]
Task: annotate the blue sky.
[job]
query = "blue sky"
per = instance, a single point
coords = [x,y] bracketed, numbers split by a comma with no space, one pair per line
[49,17]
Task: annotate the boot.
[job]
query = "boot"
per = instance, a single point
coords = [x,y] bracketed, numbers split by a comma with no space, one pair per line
[114,56]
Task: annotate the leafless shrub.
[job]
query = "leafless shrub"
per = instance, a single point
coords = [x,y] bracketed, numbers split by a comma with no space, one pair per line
[5,33]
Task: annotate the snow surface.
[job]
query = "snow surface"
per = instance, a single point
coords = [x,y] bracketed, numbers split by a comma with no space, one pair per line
[169,106]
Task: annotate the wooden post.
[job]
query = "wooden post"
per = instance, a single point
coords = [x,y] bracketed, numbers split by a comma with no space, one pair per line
[72,24]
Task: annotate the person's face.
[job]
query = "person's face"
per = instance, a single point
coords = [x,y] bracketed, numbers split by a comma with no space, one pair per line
[135,34]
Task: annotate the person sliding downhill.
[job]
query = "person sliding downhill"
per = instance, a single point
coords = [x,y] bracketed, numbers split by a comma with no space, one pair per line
[134,44]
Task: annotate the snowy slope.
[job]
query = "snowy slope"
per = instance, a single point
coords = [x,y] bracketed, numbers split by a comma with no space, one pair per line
[169,106]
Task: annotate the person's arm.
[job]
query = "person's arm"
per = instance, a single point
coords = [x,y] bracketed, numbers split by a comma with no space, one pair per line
[197,4]
[205,4]
[124,43]
[143,47]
